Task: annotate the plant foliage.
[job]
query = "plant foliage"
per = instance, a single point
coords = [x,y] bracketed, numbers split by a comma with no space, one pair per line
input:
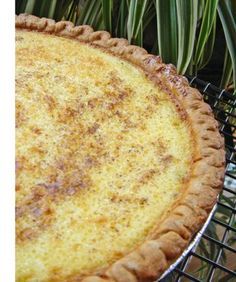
[183,32]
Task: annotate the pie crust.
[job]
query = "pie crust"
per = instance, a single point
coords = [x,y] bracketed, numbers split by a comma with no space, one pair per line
[163,246]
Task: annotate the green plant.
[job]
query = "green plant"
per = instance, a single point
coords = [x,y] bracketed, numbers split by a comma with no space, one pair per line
[182,31]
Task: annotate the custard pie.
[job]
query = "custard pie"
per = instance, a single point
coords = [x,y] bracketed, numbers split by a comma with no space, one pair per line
[118,160]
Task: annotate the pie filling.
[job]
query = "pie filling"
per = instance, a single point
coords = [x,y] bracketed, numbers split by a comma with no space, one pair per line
[101,155]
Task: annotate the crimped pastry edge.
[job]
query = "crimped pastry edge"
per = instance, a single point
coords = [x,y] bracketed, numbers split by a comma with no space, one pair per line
[169,239]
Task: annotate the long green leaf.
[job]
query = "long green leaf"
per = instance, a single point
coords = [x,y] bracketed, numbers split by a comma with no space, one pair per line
[187,23]
[37,8]
[72,11]
[135,18]
[149,14]
[98,23]
[30,6]
[139,37]
[154,49]
[229,26]
[121,30]
[51,11]
[20,6]
[90,13]
[208,49]
[107,6]
[190,70]
[201,6]
[57,9]
[206,26]
[45,8]
[167,30]
[61,8]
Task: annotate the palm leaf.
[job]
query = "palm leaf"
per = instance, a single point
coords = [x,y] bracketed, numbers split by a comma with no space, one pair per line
[149,14]
[209,15]
[187,24]
[71,14]
[139,37]
[60,8]
[20,6]
[90,13]
[228,21]
[201,7]
[51,9]
[167,31]
[44,9]
[208,49]
[29,8]
[135,17]
[107,6]
[121,29]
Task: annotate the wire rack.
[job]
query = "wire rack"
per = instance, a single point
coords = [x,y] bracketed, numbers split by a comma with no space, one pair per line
[214,257]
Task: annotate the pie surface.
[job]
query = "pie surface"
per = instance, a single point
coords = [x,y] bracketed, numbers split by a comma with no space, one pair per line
[102,156]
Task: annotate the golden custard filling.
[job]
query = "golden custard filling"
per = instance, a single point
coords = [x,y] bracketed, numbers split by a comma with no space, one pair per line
[101,155]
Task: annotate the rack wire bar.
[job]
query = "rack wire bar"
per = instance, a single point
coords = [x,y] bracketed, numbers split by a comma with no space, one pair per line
[218,243]
[202,265]
[192,278]
[227,207]
[224,224]
[216,263]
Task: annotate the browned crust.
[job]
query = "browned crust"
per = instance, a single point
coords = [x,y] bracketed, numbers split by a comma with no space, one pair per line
[173,234]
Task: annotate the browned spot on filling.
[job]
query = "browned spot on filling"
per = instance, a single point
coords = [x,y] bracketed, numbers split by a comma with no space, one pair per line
[89,162]
[119,199]
[129,124]
[93,102]
[26,234]
[36,130]
[36,208]
[56,274]
[93,128]
[19,211]
[19,38]
[67,114]
[114,78]
[115,98]
[37,150]
[147,176]
[17,165]
[154,99]
[20,114]
[20,163]
[38,216]
[167,160]
[100,220]
[160,146]
[50,102]
[17,188]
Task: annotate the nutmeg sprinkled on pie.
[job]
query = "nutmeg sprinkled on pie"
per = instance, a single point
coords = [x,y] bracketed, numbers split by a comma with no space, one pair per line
[76,167]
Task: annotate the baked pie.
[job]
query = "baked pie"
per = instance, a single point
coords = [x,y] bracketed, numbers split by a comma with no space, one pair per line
[118,160]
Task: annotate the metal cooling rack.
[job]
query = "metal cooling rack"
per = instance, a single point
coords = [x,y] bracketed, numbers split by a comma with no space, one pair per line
[214,257]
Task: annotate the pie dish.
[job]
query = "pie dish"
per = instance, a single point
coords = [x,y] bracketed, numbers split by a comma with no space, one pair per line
[118,160]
